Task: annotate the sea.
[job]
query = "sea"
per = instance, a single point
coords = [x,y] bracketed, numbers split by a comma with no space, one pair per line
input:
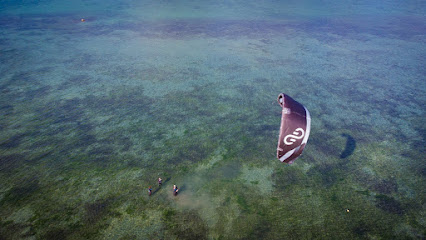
[100,99]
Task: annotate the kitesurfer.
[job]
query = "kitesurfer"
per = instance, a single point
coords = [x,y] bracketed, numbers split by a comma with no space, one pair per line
[149,191]
[175,190]
[160,182]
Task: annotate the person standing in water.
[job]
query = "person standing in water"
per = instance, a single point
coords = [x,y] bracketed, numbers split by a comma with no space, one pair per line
[149,191]
[175,190]
[160,182]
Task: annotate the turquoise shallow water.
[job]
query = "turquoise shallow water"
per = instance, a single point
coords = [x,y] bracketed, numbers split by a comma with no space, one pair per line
[94,111]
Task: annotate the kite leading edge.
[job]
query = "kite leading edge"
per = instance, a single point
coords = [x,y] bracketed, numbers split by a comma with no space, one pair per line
[294,130]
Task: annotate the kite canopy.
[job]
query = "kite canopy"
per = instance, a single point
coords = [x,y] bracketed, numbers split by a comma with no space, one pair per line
[294,130]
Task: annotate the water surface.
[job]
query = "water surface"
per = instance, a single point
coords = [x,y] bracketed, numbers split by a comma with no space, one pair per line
[100,98]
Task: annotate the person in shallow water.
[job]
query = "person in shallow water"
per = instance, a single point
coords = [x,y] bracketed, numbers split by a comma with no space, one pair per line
[149,191]
[175,190]
[160,182]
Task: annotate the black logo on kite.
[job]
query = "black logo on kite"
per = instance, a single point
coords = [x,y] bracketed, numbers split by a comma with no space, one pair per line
[294,130]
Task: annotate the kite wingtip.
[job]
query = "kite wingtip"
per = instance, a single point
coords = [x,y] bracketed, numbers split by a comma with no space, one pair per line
[281,99]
